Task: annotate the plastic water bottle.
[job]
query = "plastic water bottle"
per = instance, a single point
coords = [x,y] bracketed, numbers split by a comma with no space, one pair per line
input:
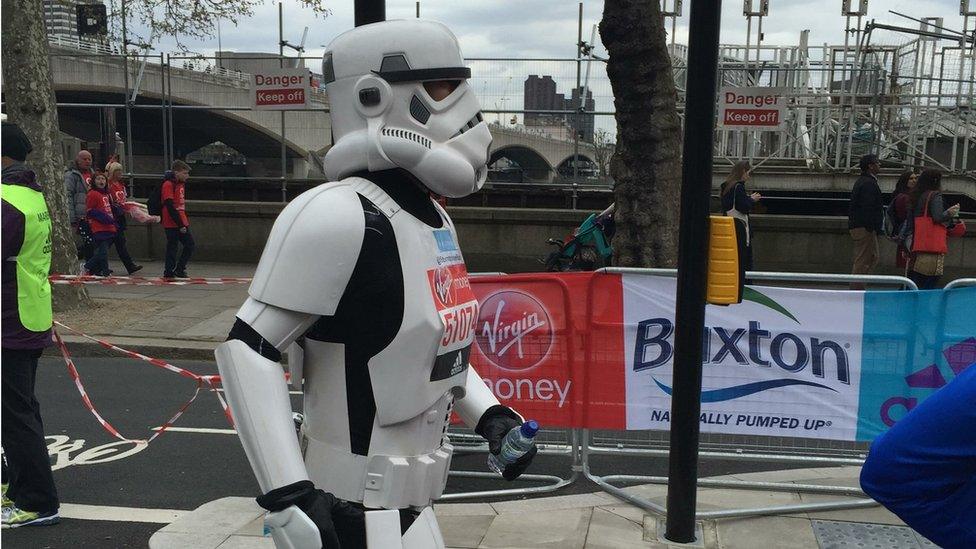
[517,442]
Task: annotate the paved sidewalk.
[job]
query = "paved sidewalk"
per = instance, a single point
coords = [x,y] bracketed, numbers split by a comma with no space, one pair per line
[599,520]
[169,322]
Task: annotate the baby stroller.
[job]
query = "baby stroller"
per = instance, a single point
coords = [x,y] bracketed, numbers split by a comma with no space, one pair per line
[585,249]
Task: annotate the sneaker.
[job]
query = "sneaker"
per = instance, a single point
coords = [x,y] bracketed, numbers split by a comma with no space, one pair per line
[15,518]
[135,269]
[169,276]
[181,274]
[7,502]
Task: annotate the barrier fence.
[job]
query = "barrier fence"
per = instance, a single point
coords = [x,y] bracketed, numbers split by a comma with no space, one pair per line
[898,356]
[791,375]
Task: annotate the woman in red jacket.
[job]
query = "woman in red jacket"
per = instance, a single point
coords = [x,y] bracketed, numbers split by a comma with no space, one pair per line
[98,206]
[116,191]
[901,200]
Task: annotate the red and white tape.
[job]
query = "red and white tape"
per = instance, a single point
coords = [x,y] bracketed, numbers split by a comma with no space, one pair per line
[75,280]
[210,380]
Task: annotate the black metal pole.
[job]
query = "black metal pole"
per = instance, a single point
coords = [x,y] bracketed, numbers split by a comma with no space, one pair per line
[696,183]
[369,11]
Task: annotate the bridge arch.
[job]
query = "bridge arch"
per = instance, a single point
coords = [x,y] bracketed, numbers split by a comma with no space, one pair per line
[585,166]
[528,164]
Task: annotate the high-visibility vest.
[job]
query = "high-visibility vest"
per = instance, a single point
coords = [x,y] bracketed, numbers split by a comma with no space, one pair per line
[34,258]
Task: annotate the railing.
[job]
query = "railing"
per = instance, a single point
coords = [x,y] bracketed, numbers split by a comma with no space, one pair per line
[582,444]
[838,107]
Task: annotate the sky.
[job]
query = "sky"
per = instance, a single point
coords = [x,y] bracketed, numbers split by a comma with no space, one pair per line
[548,29]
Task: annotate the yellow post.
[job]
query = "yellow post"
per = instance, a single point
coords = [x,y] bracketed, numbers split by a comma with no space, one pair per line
[724,265]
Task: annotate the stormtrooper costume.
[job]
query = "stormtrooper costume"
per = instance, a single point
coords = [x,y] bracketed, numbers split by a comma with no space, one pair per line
[362,280]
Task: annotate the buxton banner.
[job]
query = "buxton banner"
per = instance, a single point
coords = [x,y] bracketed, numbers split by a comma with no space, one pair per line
[596,350]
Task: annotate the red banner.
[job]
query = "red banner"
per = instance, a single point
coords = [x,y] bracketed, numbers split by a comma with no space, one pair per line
[532,341]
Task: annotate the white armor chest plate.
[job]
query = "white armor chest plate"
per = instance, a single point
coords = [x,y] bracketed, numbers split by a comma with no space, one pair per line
[429,355]
[414,379]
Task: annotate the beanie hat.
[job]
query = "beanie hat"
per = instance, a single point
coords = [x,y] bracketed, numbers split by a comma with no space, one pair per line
[14,142]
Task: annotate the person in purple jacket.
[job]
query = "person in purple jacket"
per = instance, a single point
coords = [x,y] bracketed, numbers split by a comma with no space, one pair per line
[29,495]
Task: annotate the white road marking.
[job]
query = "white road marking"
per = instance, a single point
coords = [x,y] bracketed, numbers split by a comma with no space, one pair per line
[198,430]
[119,514]
[221,389]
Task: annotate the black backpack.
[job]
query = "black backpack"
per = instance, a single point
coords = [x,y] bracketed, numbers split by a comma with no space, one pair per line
[155,203]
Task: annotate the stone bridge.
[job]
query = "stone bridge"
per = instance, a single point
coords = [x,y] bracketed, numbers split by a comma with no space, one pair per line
[188,104]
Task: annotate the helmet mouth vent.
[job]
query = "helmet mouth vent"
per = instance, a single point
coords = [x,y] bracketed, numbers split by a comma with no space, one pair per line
[406,134]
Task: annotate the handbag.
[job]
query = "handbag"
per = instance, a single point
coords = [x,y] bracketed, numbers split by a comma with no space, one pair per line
[929,236]
[957,230]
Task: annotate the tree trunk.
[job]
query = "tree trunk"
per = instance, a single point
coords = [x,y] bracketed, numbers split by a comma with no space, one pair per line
[30,103]
[646,165]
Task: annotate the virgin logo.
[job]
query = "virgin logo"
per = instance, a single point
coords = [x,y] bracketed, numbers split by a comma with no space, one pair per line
[514,330]
[443,279]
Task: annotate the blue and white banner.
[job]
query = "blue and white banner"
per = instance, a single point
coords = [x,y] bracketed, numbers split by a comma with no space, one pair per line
[839,365]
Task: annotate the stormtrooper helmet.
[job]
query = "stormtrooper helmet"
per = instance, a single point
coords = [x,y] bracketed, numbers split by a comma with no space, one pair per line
[384,117]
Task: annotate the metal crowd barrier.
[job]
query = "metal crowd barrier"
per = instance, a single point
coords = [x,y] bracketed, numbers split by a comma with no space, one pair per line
[830,278]
[557,442]
[581,444]
[960,282]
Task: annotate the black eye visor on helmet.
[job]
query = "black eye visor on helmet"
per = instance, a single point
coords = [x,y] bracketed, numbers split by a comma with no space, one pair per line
[424,75]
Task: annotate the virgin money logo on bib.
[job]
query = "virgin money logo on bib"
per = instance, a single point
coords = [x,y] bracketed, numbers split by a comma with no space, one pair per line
[443,279]
[514,330]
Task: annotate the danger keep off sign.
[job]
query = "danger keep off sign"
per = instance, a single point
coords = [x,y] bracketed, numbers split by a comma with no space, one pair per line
[279,89]
[752,108]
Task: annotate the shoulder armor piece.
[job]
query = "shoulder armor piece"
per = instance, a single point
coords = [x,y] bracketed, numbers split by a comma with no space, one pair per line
[312,250]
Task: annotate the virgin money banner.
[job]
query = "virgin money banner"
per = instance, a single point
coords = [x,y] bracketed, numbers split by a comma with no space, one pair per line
[597,351]
[529,345]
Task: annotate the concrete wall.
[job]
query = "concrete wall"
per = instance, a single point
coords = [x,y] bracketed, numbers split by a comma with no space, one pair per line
[513,240]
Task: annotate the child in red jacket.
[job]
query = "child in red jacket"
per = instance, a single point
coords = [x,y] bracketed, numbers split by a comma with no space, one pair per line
[98,206]
[116,191]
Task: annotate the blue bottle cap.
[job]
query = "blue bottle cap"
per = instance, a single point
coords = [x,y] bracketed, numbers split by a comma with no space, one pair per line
[529,428]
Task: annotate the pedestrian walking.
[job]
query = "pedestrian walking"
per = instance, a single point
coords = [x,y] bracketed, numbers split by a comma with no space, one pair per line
[29,495]
[118,195]
[175,222]
[102,221]
[865,217]
[737,203]
[77,181]
[899,213]
[932,225]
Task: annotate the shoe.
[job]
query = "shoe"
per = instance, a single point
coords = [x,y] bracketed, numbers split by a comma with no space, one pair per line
[15,518]
[169,276]
[7,502]
[135,269]
[182,274]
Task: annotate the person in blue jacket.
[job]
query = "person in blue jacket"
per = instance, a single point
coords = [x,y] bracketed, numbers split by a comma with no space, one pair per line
[924,468]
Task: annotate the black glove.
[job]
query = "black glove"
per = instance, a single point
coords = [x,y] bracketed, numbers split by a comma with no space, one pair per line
[315,503]
[494,424]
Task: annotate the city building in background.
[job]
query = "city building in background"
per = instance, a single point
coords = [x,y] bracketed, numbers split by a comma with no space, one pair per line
[60,18]
[540,95]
